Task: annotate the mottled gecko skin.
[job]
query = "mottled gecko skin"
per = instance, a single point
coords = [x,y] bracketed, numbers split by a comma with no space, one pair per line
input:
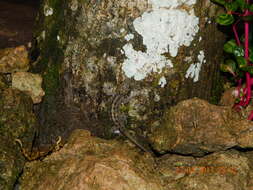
[119,120]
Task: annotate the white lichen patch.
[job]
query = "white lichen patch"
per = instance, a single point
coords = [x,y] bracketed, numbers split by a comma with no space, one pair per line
[164,29]
[122,30]
[162,82]
[139,64]
[207,20]
[157,97]
[194,69]
[48,11]
[167,28]
[129,37]
[171,3]
[111,61]
[188,59]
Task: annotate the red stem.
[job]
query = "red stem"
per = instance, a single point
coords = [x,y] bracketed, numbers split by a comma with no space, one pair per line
[235,33]
[246,55]
[245,99]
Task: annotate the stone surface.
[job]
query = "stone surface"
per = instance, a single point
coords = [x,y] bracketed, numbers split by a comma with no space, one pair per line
[17,121]
[197,127]
[14,59]
[228,98]
[29,83]
[222,170]
[90,163]
[3,83]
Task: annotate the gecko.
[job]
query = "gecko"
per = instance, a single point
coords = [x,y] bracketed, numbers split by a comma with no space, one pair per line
[119,120]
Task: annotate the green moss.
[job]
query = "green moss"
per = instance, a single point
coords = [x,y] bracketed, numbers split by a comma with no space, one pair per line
[51,85]
[51,53]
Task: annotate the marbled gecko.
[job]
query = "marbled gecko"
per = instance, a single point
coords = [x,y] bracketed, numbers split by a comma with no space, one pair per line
[119,120]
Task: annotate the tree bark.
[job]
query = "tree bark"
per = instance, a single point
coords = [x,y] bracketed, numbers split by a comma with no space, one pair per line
[152,54]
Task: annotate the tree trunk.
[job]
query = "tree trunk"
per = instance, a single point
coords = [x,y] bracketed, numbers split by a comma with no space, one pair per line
[146,54]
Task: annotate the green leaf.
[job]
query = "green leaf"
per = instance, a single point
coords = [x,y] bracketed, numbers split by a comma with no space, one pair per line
[251,8]
[225,19]
[221,2]
[251,58]
[242,38]
[240,74]
[251,55]
[230,46]
[229,66]
[233,6]
[242,63]
[248,69]
[242,4]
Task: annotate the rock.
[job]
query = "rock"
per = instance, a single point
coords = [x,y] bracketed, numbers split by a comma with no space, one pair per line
[195,127]
[3,83]
[14,59]
[228,97]
[90,163]
[222,170]
[17,121]
[29,83]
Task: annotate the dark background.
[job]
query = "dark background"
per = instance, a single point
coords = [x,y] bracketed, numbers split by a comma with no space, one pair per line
[17,21]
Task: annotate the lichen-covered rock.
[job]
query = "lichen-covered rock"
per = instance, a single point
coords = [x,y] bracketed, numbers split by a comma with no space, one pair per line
[90,163]
[222,170]
[197,127]
[14,59]
[29,83]
[17,121]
